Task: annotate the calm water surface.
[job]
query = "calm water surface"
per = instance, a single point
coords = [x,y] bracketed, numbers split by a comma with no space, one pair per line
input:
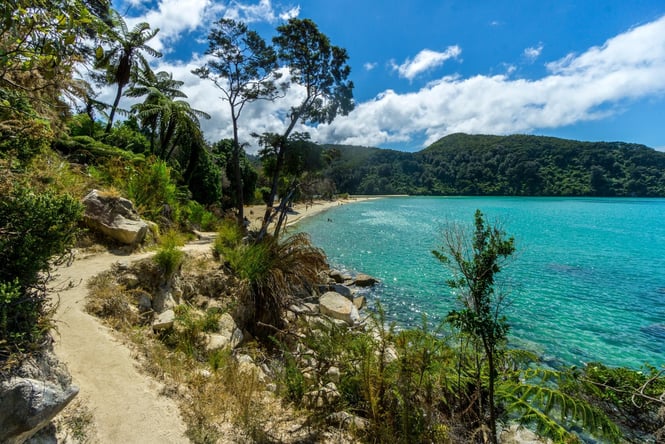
[587,282]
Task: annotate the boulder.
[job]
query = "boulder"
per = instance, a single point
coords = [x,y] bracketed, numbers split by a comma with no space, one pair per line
[338,276]
[164,320]
[38,390]
[229,335]
[359,302]
[325,395]
[27,405]
[365,280]
[338,307]
[114,216]
[348,421]
[343,290]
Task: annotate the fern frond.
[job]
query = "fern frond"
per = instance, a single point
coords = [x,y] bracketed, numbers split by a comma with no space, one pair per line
[535,396]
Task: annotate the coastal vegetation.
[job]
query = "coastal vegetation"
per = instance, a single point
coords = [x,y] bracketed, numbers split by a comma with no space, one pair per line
[456,382]
[516,165]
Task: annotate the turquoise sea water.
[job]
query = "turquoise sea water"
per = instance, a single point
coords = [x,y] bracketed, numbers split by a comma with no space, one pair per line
[587,282]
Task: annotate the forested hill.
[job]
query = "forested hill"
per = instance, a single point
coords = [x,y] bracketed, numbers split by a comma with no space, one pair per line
[517,165]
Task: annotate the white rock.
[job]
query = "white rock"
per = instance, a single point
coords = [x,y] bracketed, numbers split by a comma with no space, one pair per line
[338,307]
[164,320]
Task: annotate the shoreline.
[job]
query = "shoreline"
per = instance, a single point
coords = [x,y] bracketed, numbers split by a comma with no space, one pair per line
[302,210]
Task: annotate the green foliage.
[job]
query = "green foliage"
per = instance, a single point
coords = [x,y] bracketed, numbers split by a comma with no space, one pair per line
[536,396]
[186,336]
[206,181]
[244,68]
[321,70]
[123,54]
[229,237]
[153,190]
[197,215]
[475,259]
[21,319]
[35,230]
[223,155]
[23,133]
[169,256]
[633,399]
[517,165]
[127,136]
[275,272]
[85,149]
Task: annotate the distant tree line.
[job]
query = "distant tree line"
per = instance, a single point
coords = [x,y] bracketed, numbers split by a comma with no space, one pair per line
[517,165]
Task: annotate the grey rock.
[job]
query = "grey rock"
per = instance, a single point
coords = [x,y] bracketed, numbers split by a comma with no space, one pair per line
[164,320]
[343,290]
[27,405]
[365,280]
[114,216]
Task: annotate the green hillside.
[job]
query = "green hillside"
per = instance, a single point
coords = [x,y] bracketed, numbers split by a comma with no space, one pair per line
[516,165]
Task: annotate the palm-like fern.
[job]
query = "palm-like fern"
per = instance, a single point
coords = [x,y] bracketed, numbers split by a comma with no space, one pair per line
[535,396]
[125,50]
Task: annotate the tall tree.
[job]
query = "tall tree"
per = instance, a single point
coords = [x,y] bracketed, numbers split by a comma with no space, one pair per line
[320,69]
[126,49]
[158,88]
[476,259]
[243,67]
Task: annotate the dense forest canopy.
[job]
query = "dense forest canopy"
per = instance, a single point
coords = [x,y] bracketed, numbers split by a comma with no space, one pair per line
[516,165]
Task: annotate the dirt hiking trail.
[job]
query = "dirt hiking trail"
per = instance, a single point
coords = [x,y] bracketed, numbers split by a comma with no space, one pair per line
[126,405]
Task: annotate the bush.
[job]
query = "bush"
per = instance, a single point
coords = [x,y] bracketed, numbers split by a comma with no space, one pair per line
[33,230]
[169,257]
[228,238]
[153,191]
[197,215]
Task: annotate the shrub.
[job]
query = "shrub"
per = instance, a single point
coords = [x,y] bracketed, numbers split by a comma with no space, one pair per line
[197,215]
[153,191]
[275,271]
[228,238]
[33,230]
[169,256]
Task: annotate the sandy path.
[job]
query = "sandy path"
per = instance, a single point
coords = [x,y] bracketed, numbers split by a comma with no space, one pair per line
[126,404]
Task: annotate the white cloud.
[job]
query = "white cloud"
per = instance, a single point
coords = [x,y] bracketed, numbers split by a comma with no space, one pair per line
[369,66]
[533,52]
[589,86]
[175,17]
[424,61]
[579,87]
[259,12]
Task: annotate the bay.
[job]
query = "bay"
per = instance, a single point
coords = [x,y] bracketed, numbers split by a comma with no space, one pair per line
[587,282]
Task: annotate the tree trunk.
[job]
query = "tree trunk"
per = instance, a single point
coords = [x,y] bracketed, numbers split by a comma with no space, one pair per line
[240,199]
[116,102]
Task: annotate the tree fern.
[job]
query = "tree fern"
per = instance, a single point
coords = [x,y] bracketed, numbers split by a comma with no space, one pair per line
[535,397]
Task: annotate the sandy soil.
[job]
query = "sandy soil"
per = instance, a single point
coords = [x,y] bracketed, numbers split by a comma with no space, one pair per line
[126,405]
[300,211]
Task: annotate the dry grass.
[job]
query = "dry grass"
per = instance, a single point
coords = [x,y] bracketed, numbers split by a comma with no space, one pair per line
[220,399]
[109,300]
[76,424]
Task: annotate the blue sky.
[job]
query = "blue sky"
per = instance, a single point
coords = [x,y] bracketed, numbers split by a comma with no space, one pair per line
[587,69]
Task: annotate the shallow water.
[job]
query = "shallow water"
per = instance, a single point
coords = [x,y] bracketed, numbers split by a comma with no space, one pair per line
[587,282]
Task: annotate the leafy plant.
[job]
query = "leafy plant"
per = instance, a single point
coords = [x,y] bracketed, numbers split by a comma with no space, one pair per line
[169,256]
[537,397]
[154,192]
[35,230]
[476,260]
